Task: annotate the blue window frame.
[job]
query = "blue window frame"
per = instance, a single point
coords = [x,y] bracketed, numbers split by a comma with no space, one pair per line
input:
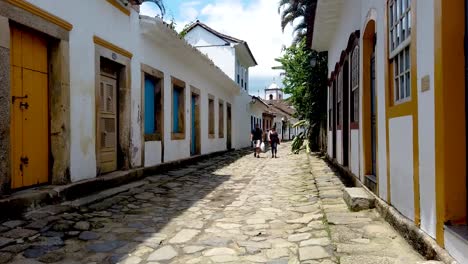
[150,113]
[178,109]
[175,111]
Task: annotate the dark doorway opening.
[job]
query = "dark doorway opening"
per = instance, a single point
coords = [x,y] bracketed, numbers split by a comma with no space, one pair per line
[334,121]
[345,124]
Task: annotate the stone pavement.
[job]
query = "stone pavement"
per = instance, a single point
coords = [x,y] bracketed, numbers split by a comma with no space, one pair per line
[230,209]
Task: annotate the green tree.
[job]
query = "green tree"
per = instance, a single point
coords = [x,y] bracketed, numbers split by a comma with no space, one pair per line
[306,84]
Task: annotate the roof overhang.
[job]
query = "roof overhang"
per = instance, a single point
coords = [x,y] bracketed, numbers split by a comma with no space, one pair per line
[327,17]
[159,32]
[245,54]
[262,103]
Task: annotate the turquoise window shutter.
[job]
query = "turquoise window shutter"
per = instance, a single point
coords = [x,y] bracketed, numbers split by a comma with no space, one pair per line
[175,111]
[150,120]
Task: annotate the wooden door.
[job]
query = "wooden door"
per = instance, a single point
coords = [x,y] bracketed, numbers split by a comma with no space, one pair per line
[29,108]
[195,143]
[107,128]
[373,117]
[229,128]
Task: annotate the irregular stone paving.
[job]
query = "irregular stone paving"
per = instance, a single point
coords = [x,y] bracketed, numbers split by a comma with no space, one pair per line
[230,209]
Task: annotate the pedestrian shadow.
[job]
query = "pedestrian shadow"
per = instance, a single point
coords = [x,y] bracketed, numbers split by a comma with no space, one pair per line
[113,230]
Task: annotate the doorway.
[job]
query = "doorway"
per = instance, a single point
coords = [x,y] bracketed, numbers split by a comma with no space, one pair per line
[229,127]
[195,124]
[373,116]
[108,117]
[334,121]
[345,127]
[29,123]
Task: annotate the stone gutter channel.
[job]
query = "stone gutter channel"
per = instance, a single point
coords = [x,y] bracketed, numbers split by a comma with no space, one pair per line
[425,245]
[58,199]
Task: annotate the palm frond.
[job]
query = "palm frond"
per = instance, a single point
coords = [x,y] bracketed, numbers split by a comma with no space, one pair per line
[159,4]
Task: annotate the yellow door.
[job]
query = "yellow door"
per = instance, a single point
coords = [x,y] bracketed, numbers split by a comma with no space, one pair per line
[108,124]
[29,108]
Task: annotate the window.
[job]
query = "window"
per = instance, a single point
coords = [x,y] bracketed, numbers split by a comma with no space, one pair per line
[211,121]
[221,119]
[153,107]
[355,85]
[178,109]
[400,39]
[271,97]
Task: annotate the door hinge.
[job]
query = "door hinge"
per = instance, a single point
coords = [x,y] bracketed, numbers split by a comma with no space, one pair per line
[13,98]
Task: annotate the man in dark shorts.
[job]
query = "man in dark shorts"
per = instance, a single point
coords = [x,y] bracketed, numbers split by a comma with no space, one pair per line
[256,138]
[274,142]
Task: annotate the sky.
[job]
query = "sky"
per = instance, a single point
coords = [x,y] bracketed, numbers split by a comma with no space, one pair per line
[255,21]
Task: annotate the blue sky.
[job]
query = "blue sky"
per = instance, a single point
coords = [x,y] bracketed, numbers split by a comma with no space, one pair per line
[255,21]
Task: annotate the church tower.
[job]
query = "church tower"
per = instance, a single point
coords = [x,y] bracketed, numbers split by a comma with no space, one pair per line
[273,92]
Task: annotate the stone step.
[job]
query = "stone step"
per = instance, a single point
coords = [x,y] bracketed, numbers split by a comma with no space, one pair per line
[358,199]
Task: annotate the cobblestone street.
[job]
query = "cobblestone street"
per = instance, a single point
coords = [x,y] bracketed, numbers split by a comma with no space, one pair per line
[230,209]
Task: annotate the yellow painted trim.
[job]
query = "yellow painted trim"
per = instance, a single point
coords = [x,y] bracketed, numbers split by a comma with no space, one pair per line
[104,43]
[415,112]
[367,46]
[119,6]
[450,130]
[41,13]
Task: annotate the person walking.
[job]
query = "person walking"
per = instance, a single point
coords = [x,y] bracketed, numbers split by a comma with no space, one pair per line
[274,141]
[256,138]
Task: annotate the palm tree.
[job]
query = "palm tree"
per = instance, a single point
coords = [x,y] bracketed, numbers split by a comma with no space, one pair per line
[291,10]
[159,4]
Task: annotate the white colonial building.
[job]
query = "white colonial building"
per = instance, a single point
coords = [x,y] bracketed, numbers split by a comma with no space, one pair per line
[232,55]
[113,91]
[397,106]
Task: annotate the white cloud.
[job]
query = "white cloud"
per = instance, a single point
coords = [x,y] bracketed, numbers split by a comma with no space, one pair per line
[149,9]
[189,10]
[258,23]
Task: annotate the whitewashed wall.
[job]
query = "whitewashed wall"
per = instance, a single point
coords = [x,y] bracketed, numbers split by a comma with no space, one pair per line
[174,63]
[330,143]
[103,19]
[222,56]
[241,120]
[339,146]
[401,164]
[425,35]
[354,145]
[119,29]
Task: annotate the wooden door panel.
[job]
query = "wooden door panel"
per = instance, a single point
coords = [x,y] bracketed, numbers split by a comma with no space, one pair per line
[15,51]
[107,124]
[35,128]
[34,52]
[16,128]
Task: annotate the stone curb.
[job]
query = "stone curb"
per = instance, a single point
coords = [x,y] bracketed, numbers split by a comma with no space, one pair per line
[89,191]
[418,239]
